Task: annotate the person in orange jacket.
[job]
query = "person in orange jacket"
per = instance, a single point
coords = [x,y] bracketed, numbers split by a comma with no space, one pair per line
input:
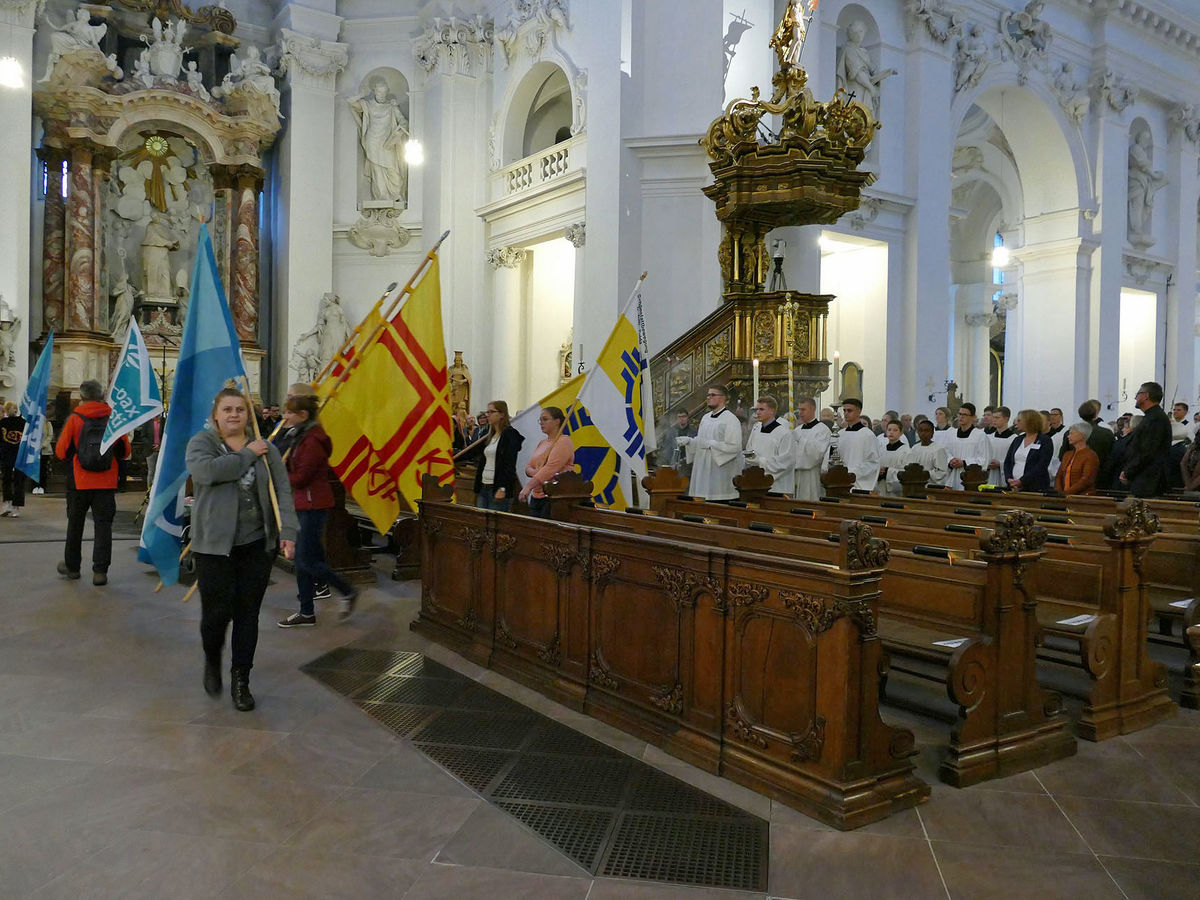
[89,484]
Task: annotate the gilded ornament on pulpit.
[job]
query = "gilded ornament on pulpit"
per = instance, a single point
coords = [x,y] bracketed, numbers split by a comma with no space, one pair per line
[763,330]
[681,378]
[800,337]
[716,353]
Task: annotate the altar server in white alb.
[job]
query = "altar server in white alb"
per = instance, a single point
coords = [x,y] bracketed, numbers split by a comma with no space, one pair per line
[859,447]
[931,456]
[770,445]
[895,458]
[967,445]
[999,440]
[716,451]
[811,438]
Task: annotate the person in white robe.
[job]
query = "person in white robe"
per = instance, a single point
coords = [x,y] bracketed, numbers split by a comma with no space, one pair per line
[716,451]
[895,458]
[859,447]
[770,446]
[999,441]
[931,455]
[811,438]
[942,430]
[967,445]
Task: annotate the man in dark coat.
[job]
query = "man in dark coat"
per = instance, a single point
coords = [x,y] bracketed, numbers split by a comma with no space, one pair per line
[1143,470]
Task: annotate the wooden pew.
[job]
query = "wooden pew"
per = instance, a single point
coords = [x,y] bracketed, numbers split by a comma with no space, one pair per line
[762,670]
[1006,722]
[1101,583]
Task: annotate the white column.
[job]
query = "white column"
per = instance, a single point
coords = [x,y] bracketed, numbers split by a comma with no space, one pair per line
[16,141]
[304,237]
[922,318]
[508,343]
[1182,198]
[1098,349]
[973,368]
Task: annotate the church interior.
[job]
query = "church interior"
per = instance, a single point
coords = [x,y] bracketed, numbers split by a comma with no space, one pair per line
[908,204]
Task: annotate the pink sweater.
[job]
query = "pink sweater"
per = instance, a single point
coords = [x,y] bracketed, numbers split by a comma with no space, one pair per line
[549,459]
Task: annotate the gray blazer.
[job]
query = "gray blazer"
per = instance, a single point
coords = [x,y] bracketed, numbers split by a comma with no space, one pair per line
[215,470]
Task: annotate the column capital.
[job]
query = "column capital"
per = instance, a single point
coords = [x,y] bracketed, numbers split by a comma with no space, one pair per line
[456,47]
[576,234]
[506,257]
[21,13]
[1184,121]
[309,61]
[1112,92]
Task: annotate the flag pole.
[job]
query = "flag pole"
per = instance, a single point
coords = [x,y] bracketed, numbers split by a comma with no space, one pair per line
[258,437]
[346,344]
[424,264]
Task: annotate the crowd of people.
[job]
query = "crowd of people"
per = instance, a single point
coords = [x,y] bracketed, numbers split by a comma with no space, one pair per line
[1146,454]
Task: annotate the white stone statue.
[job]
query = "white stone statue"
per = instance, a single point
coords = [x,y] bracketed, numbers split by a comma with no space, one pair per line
[332,326]
[1024,34]
[971,59]
[382,132]
[141,70]
[156,261]
[122,310]
[306,355]
[9,331]
[195,81]
[1144,183]
[77,34]
[249,71]
[165,52]
[1072,94]
[855,73]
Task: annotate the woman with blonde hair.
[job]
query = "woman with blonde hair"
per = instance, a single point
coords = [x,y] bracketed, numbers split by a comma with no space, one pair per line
[495,455]
[235,536]
[1027,463]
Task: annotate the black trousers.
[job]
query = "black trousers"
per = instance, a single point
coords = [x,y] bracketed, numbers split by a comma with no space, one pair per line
[103,505]
[14,485]
[231,590]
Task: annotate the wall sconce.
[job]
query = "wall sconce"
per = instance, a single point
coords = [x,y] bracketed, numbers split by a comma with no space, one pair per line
[414,153]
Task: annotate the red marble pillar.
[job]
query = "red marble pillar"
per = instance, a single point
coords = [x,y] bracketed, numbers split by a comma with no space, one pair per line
[245,257]
[80,283]
[100,166]
[53,241]
[221,226]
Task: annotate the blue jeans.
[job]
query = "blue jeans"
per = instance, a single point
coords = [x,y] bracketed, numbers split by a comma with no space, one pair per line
[310,559]
[486,499]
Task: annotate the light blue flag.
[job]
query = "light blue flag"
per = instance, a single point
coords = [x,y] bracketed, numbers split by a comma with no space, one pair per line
[209,356]
[33,411]
[133,395]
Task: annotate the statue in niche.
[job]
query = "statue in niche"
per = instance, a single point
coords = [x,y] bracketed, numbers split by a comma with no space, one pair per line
[157,244]
[970,60]
[1144,183]
[460,384]
[855,74]
[123,299]
[332,328]
[77,34]
[382,132]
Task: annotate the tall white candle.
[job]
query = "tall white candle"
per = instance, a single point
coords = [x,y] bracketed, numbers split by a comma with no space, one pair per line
[754,399]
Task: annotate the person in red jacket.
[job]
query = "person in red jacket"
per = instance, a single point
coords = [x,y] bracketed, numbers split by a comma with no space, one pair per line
[87,489]
[308,470]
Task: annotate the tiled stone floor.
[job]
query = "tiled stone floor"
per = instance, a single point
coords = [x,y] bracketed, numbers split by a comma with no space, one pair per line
[120,778]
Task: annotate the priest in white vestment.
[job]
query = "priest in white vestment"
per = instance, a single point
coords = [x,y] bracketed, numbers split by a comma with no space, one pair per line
[770,445]
[931,455]
[999,440]
[811,438]
[716,451]
[859,447]
[967,445]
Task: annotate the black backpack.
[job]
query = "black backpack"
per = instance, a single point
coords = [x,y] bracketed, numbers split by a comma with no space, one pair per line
[87,449]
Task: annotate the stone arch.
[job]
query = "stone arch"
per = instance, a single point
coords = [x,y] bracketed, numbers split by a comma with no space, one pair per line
[520,98]
[174,117]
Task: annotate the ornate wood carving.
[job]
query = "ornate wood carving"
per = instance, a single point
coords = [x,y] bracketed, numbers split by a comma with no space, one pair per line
[599,567]
[503,635]
[502,544]
[1135,519]
[683,586]
[810,611]
[807,747]
[427,603]
[862,550]
[475,538]
[739,593]
[857,611]
[468,621]
[551,654]
[742,729]
[560,556]
[599,674]
[431,527]
[669,699]
[1015,532]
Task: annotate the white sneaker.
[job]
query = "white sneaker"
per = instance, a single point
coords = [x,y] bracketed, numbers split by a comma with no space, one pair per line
[14,513]
[39,490]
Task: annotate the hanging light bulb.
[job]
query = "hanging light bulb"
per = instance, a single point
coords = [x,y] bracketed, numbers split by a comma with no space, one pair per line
[414,153]
[11,73]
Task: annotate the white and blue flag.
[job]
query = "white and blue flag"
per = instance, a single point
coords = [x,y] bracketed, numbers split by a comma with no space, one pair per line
[133,394]
[33,411]
[209,355]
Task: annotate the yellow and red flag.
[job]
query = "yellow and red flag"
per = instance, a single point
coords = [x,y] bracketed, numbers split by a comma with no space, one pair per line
[391,415]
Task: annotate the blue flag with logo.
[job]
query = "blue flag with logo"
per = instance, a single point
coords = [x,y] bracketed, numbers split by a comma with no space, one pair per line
[133,395]
[33,411]
[209,356]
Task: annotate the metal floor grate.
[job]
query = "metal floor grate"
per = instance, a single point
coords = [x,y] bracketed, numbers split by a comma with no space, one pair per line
[611,813]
